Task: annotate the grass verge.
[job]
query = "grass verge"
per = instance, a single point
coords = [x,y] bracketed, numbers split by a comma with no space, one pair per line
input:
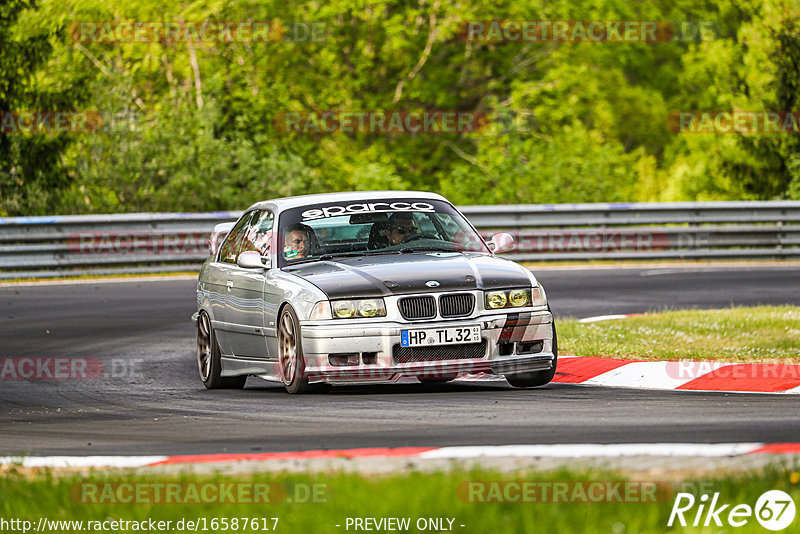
[449,495]
[761,334]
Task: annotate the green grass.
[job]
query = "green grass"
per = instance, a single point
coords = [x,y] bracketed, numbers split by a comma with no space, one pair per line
[413,495]
[756,334]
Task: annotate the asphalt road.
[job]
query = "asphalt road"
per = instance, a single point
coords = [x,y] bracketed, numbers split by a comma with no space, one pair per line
[150,401]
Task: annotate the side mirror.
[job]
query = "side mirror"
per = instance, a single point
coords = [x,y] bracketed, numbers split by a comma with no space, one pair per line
[252,260]
[502,242]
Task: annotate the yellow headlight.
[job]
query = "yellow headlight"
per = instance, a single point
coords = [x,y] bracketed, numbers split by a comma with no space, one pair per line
[368,308]
[496,299]
[344,309]
[354,308]
[519,297]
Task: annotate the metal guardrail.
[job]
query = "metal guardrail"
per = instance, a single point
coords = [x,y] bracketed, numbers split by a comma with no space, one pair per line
[161,242]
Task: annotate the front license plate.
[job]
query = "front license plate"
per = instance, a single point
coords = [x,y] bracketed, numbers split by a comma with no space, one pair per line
[440,336]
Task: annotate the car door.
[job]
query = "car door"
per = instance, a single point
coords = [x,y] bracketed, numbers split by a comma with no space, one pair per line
[220,279]
[245,296]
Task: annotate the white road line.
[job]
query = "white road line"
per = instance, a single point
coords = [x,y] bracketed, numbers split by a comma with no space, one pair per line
[598,318]
[654,375]
[81,461]
[571,450]
[595,450]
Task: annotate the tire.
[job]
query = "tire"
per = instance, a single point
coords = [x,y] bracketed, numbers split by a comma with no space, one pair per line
[537,378]
[290,354]
[208,358]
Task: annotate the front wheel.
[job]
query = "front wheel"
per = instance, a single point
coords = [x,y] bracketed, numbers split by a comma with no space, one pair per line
[537,378]
[290,353]
[209,358]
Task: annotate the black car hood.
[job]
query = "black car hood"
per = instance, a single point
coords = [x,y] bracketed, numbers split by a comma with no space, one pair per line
[371,276]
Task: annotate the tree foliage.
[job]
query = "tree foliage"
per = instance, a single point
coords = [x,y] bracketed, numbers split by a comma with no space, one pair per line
[192,126]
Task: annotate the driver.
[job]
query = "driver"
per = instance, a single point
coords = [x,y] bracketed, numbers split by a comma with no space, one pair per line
[401,227]
[297,243]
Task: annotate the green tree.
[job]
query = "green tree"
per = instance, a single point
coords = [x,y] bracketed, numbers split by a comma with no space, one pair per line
[31,165]
[192,126]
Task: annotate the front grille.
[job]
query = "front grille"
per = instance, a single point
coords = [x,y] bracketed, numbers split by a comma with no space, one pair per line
[439,353]
[417,307]
[457,305]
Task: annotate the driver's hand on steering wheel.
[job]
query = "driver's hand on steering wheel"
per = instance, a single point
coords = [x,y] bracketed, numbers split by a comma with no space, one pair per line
[399,233]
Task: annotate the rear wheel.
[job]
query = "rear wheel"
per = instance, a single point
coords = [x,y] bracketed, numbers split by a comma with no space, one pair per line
[209,358]
[537,378]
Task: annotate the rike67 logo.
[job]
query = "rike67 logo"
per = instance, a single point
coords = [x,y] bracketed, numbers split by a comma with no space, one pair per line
[774,510]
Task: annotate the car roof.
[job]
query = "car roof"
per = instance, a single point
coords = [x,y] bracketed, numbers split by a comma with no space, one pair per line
[280,204]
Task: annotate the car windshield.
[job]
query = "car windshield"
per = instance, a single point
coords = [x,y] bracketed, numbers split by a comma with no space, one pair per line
[391,226]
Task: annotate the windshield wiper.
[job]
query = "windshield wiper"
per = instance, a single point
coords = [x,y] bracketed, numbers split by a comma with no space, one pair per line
[379,252]
[411,250]
[330,256]
[302,260]
[325,257]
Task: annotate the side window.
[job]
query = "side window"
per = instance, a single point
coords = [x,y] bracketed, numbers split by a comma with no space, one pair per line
[258,234]
[228,252]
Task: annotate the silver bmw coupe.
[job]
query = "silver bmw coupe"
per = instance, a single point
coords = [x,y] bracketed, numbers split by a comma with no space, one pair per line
[366,287]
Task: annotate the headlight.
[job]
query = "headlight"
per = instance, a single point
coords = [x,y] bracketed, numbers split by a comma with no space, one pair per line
[369,308]
[344,309]
[347,309]
[496,299]
[519,297]
[515,298]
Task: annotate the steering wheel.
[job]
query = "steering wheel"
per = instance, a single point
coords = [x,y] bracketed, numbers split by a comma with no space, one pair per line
[423,235]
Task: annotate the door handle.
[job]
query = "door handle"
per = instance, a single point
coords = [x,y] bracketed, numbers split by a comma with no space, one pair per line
[229,285]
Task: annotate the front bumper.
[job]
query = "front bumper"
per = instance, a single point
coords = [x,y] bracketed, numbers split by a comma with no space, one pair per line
[514,343]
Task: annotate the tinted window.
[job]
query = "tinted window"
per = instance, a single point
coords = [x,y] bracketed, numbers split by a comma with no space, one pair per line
[258,234]
[374,227]
[228,252]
